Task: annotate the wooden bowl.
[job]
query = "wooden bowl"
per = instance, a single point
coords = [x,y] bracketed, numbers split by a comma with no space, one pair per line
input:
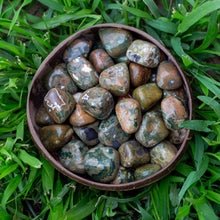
[37,92]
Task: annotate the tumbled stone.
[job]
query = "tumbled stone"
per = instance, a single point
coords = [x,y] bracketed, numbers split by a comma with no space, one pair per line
[129,95]
[78,47]
[80,118]
[98,102]
[60,78]
[146,171]
[139,75]
[115,40]
[129,115]
[102,164]
[116,79]
[144,53]
[153,77]
[82,73]
[177,136]
[132,154]
[88,133]
[100,60]
[59,104]
[123,176]
[152,130]
[163,153]
[147,95]
[72,155]
[111,133]
[42,117]
[76,96]
[168,76]
[54,137]
[174,112]
[122,59]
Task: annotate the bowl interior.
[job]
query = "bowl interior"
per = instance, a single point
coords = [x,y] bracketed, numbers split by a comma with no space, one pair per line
[37,91]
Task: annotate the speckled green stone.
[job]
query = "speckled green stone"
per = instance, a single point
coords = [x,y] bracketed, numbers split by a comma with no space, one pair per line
[88,133]
[132,154]
[98,102]
[174,112]
[146,171]
[122,59]
[72,155]
[124,176]
[116,79]
[163,153]
[59,104]
[60,78]
[147,95]
[102,163]
[152,130]
[54,137]
[144,53]
[129,114]
[177,136]
[76,96]
[115,40]
[78,47]
[82,73]
[111,133]
[42,118]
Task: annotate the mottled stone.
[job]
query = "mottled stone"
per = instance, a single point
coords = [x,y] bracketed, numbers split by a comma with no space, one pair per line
[147,95]
[129,95]
[174,112]
[72,155]
[76,96]
[116,79]
[79,117]
[132,154]
[177,136]
[60,78]
[146,171]
[115,40]
[139,75]
[102,164]
[163,153]
[98,102]
[97,45]
[83,73]
[168,76]
[88,133]
[42,117]
[111,133]
[152,130]
[78,47]
[123,176]
[129,115]
[153,77]
[122,59]
[59,104]
[144,53]
[54,137]
[100,60]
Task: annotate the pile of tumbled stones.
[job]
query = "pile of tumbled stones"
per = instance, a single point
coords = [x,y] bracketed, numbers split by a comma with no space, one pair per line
[112,108]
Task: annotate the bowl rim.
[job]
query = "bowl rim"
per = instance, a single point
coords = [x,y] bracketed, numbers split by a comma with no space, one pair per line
[108,186]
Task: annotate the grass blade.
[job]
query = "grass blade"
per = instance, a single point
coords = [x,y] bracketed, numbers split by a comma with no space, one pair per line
[152,7]
[197,125]
[28,159]
[55,5]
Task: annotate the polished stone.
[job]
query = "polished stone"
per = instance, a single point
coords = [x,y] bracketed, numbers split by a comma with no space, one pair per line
[124,176]
[146,171]
[42,118]
[177,136]
[76,96]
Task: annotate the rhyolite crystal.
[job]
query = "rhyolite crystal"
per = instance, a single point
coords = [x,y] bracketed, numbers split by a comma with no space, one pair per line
[59,104]
[42,117]
[147,95]
[124,176]
[60,78]
[168,76]
[54,137]
[152,130]
[144,53]
[98,102]
[146,171]
[76,96]
[88,133]
[116,79]
[71,156]
[111,133]
[115,41]
[83,73]
[102,163]
[132,154]
[177,136]
[174,112]
[163,153]
[129,114]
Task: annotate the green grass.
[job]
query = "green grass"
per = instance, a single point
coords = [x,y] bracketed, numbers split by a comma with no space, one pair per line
[30,188]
